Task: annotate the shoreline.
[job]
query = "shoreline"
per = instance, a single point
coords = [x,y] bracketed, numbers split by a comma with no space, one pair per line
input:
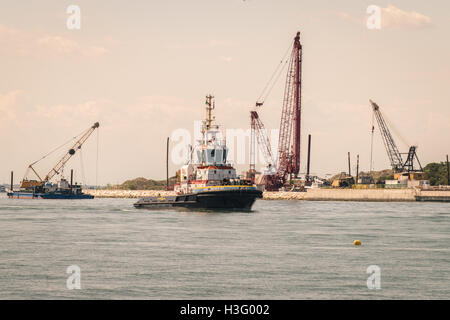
[368,195]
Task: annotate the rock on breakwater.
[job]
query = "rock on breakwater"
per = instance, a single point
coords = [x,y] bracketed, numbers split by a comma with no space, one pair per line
[311,194]
[128,193]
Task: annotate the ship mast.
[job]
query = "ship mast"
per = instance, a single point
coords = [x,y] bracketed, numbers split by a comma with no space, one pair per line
[210,106]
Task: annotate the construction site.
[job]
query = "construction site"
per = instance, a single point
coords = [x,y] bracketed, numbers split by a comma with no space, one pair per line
[280,176]
[281,179]
[282,168]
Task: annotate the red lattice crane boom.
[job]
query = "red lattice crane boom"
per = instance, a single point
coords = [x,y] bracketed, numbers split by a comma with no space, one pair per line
[289,140]
[259,131]
[287,163]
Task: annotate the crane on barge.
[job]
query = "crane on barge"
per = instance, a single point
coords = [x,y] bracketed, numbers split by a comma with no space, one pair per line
[287,163]
[57,169]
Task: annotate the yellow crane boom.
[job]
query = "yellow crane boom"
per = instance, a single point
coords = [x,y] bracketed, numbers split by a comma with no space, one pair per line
[57,168]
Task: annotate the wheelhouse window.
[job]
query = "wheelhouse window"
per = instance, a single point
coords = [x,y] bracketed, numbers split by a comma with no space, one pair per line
[210,153]
[219,156]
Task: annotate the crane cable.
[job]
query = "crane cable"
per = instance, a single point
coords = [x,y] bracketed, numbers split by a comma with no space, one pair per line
[397,133]
[56,149]
[83,177]
[371,141]
[96,163]
[276,80]
[277,70]
[51,152]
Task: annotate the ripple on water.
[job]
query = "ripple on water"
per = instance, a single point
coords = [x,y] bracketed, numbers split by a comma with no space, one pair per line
[281,250]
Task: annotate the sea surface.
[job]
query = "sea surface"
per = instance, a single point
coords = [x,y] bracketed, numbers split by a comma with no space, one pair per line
[280,250]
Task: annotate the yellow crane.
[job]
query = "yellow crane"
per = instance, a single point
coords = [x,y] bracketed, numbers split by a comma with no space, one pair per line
[60,164]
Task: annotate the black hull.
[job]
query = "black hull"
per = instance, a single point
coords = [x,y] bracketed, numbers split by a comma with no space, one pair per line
[54,195]
[210,200]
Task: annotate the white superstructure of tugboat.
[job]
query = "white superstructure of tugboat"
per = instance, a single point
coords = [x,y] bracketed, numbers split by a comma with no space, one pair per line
[208,180]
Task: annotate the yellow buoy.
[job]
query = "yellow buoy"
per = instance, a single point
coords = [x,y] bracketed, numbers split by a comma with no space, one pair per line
[357,243]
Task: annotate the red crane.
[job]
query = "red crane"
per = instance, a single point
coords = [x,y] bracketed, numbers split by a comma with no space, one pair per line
[258,129]
[288,158]
[289,139]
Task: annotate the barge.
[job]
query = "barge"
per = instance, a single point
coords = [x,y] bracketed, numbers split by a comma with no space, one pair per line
[61,190]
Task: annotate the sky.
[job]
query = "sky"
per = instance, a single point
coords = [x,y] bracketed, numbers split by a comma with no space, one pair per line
[143,68]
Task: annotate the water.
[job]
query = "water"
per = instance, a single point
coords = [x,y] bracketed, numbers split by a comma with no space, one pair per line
[281,250]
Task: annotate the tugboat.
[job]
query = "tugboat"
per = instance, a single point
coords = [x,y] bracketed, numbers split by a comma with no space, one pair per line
[43,188]
[208,181]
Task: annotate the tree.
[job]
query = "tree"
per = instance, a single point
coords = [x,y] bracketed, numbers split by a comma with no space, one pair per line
[436,173]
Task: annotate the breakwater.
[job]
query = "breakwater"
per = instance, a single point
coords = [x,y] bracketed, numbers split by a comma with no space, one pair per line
[311,194]
[345,195]
[128,193]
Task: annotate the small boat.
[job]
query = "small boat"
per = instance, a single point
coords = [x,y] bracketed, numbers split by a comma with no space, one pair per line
[208,181]
[61,190]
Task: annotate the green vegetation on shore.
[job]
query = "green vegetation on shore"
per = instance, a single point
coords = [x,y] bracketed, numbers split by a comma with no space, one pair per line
[436,173]
[378,176]
[142,184]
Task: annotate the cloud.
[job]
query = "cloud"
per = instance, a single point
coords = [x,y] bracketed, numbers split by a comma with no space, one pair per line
[58,45]
[203,45]
[25,44]
[65,114]
[392,16]
[348,17]
[226,59]
[7,31]
[151,112]
[12,41]
[111,40]
[9,105]
[219,43]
